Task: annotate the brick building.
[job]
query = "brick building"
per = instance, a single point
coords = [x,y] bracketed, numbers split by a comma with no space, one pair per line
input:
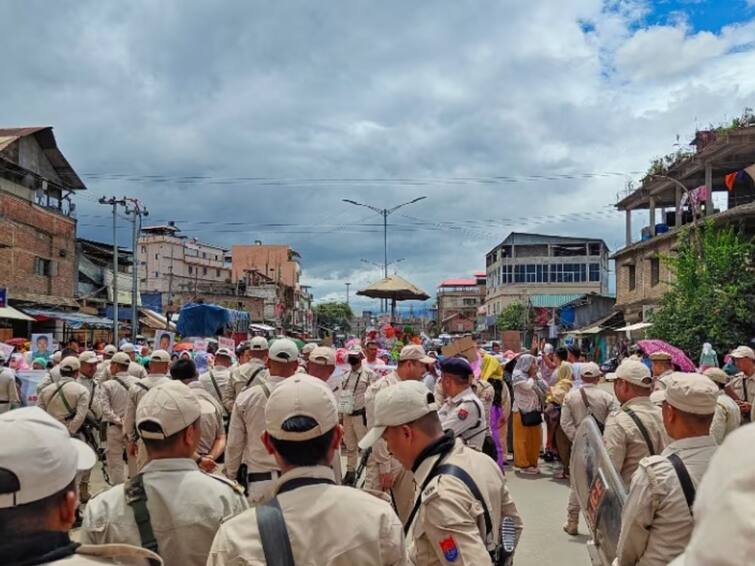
[458,302]
[37,227]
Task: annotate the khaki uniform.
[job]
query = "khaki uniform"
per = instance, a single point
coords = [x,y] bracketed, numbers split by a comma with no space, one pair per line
[351,396]
[623,440]
[102,373]
[744,387]
[464,415]
[726,419]
[656,521]
[137,370]
[186,507]
[95,406]
[211,421]
[54,397]
[239,377]
[374,534]
[114,395]
[244,443]
[97,554]
[486,394]
[662,380]
[135,394]
[9,398]
[215,382]
[449,527]
[381,461]
[573,412]
[52,376]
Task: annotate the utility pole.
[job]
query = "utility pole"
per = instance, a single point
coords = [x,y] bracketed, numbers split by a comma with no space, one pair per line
[347,293]
[138,210]
[114,202]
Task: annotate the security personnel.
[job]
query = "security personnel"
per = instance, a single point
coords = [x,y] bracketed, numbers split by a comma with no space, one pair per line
[461,495]
[305,352]
[170,507]
[636,430]
[742,386]
[114,397]
[252,367]
[485,392]
[728,417]
[66,400]
[384,472]
[103,369]
[158,370]
[135,369]
[302,434]
[661,368]
[9,398]
[215,379]
[462,413]
[88,361]
[39,463]
[247,424]
[579,404]
[656,521]
[354,384]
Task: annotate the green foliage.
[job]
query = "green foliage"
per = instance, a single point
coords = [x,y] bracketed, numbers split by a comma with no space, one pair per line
[334,314]
[712,296]
[513,317]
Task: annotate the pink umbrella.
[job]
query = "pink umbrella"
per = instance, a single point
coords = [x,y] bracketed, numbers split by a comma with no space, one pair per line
[677,356]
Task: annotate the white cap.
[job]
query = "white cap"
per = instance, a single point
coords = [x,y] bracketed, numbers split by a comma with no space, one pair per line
[355,350]
[323,355]
[307,349]
[717,375]
[284,350]
[120,358]
[413,352]
[40,453]
[300,396]
[57,356]
[396,405]
[71,363]
[160,356]
[223,352]
[590,369]
[110,349]
[743,352]
[88,357]
[634,372]
[171,405]
[689,392]
[128,347]
[258,343]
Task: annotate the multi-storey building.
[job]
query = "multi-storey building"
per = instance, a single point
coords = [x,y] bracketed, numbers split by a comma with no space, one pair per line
[459,300]
[545,271]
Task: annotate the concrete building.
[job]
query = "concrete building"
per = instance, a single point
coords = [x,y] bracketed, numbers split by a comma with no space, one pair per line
[37,224]
[673,196]
[525,266]
[458,302]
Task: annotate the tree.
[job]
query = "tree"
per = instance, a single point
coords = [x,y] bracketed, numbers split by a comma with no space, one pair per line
[330,315]
[713,293]
[513,317]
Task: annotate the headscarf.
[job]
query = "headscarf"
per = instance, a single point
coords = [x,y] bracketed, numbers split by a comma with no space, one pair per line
[202,361]
[522,368]
[707,349]
[491,368]
[41,361]
[548,349]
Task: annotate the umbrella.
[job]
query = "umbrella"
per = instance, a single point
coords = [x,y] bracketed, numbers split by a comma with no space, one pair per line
[17,341]
[395,288]
[677,356]
[181,346]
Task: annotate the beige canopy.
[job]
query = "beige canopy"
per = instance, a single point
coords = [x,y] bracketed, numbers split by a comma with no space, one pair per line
[395,288]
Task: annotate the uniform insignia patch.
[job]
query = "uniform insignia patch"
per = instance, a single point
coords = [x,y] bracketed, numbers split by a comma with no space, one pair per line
[462,414]
[449,549]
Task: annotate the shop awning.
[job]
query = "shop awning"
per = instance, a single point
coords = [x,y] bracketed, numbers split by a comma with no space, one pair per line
[635,326]
[75,320]
[261,327]
[13,314]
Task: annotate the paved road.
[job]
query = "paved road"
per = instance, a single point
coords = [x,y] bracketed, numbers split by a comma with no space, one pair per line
[542,502]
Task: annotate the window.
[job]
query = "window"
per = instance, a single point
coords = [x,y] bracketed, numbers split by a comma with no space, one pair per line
[42,267]
[191,270]
[469,302]
[594,272]
[157,274]
[594,249]
[157,256]
[519,276]
[655,271]
[144,249]
[217,273]
[507,275]
[204,255]
[204,271]
[632,277]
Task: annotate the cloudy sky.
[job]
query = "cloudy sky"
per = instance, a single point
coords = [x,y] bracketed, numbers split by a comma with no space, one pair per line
[249,121]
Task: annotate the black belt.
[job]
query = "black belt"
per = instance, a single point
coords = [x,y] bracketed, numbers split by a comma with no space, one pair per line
[358,412]
[259,476]
[301,482]
[4,400]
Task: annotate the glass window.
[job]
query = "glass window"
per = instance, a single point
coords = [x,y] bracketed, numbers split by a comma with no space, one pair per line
[204,271]
[519,274]
[191,270]
[217,272]
[594,272]
[655,271]
[632,277]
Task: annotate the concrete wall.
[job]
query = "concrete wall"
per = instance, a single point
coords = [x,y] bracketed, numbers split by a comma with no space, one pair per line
[270,260]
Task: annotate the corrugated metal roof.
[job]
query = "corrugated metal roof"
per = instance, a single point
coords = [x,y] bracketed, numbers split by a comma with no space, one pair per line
[458,282]
[553,301]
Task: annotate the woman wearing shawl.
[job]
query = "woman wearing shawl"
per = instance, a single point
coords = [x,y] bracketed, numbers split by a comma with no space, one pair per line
[708,357]
[529,389]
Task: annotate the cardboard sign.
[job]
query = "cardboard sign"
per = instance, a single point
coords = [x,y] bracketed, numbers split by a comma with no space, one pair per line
[462,347]
[6,349]
[200,345]
[30,379]
[227,343]
[511,340]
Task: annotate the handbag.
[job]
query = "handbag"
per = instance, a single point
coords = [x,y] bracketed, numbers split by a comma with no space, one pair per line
[531,418]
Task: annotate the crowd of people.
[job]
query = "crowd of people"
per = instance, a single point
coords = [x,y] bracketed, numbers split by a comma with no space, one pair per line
[274,454]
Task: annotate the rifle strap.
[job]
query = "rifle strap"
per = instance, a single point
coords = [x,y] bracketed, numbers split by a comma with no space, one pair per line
[217,391]
[585,401]
[643,430]
[687,486]
[136,498]
[273,534]
[255,373]
[118,379]
[59,393]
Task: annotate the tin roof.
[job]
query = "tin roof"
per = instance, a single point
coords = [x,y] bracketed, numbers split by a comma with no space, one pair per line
[458,282]
[553,301]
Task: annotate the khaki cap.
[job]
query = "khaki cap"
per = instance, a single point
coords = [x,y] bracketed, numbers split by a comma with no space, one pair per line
[324,356]
[88,357]
[224,352]
[743,352]
[172,406]
[110,349]
[160,356]
[284,350]
[71,363]
[717,375]
[689,392]
[301,395]
[590,369]
[121,358]
[40,453]
[56,356]
[413,352]
[258,343]
[355,350]
[307,349]
[128,347]
[634,372]
[396,405]
[660,356]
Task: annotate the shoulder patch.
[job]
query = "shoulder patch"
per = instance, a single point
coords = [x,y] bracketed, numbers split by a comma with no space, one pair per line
[462,413]
[449,549]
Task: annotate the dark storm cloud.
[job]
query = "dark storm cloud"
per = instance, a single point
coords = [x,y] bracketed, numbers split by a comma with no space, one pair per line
[346,90]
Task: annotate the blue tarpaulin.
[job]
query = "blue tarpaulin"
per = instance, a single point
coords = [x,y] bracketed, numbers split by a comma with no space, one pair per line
[210,320]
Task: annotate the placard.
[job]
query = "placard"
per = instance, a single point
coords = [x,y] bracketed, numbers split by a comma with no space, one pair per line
[41,346]
[466,347]
[511,340]
[227,343]
[30,380]
[200,345]
[164,340]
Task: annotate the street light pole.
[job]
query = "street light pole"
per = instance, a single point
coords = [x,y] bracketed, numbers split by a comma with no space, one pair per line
[347,293]
[114,202]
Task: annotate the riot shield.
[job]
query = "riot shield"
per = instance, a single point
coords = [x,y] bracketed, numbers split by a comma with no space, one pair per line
[599,489]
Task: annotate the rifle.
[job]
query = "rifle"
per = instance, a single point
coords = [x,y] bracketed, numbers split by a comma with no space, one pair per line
[242,476]
[88,430]
[361,466]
